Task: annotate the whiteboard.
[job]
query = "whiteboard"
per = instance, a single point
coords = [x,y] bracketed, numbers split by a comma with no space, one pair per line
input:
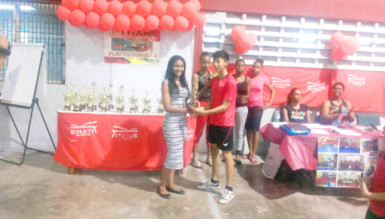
[21,78]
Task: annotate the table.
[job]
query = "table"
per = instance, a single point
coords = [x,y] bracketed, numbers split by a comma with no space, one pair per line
[300,151]
[112,141]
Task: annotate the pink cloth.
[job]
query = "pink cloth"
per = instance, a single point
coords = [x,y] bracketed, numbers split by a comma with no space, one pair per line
[256,90]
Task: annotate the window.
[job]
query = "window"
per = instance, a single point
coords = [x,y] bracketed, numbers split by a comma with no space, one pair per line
[26,22]
[296,41]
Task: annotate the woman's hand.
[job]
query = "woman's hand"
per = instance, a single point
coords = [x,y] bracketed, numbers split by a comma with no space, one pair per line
[267,105]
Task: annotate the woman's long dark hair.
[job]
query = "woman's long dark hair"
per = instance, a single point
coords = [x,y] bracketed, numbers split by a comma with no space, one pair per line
[170,76]
[290,94]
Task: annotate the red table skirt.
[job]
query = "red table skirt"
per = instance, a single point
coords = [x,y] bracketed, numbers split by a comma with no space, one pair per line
[115,141]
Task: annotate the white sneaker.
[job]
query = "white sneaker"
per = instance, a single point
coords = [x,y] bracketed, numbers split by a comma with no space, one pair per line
[208,185]
[226,197]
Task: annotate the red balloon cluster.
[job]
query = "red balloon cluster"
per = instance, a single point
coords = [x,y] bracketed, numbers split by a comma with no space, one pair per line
[144,15]
[243,41]
[343,46]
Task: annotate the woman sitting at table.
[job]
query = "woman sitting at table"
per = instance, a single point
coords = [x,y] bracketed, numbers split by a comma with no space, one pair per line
[337,111]
[294,111]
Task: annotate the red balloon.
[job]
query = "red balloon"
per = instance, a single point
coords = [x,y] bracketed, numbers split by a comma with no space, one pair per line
[63,13]
[199,20]
[71,4]
[114,8]
[238,32]
[144,8]
[174,8]
[181,23]
[336,39]
[166,22]
[197,4]
[122,22]
[137,22]
[129,8]
[92,19]
[250,40]
[159,8]
[86,5]
[100,6]
[189,10]
[77,17]
[350,45]
[338,54]
[152,22]
[190,25]
[240,49]
[107,21]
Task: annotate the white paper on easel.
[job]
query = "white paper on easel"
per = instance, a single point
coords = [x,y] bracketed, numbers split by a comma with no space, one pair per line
[22,74]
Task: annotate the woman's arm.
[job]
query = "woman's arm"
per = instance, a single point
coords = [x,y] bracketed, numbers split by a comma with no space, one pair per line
[325,111]
[167,100]
[285,115]
[351,115]
[271,88]
[308,117]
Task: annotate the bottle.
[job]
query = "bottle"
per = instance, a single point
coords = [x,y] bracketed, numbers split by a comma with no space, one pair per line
[277,116]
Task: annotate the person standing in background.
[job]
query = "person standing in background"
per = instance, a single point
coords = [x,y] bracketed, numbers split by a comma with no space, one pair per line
[256,107]
[243,92]
[4,49]
[202,79]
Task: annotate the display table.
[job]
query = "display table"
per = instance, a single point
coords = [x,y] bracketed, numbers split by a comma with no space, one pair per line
[300,151]
[112,141]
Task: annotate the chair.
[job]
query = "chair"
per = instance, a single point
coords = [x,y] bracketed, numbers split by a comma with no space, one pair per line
[367,119]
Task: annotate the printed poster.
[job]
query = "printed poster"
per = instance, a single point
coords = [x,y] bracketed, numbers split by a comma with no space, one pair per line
[126,47]
[342,161]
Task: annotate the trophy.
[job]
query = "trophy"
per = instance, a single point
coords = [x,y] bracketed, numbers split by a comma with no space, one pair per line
[83,98]
[67,100]
[160,106]
[133,102]
[76,99]
[120,100]
[111,98]
[146,104]
[91,101]
[194,96]
[104,100]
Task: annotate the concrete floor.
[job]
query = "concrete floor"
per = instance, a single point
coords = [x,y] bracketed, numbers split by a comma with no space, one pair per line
[41,188]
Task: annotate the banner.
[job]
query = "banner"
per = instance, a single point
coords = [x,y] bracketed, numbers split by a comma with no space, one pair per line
[140,47]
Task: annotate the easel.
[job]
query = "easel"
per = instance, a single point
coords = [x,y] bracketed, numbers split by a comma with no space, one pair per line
[35,100]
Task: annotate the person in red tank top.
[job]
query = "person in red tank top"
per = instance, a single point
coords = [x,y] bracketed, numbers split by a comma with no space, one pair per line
[376,193]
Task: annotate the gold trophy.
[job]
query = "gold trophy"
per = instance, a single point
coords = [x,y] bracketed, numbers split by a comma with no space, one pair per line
[91,101]
[120,100]
[76,99]
[83,98]
[160,106]
[104,100]
[194,96]
[67,99]
[133,102]
[146,104]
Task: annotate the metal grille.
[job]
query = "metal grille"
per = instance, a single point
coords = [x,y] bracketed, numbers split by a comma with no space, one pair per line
[297,41]
[28,22]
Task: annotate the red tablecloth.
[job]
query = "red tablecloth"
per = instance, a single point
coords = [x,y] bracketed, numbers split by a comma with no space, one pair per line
[115,141]
[300,151]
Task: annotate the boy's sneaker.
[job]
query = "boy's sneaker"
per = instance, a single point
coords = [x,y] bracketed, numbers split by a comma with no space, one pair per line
[226,197]
[209,185]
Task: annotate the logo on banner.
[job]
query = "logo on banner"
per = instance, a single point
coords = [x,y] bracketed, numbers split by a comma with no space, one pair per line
[190,134]
[356,81]
[315,87]
[280,83]
[124,134]
[86,129]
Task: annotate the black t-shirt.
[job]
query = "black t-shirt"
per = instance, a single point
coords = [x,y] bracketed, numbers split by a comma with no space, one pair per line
[297,116]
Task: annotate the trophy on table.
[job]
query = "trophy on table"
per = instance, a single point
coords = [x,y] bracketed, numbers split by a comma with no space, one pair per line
[76,99]
[104,100]
[194,96]
[83,98]
[120,100]
[67,100]
[133,102]
[146,104]
[91,101]
[160,106]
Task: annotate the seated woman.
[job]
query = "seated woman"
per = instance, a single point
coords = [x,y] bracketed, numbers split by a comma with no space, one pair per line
[337,111]
[294,111]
